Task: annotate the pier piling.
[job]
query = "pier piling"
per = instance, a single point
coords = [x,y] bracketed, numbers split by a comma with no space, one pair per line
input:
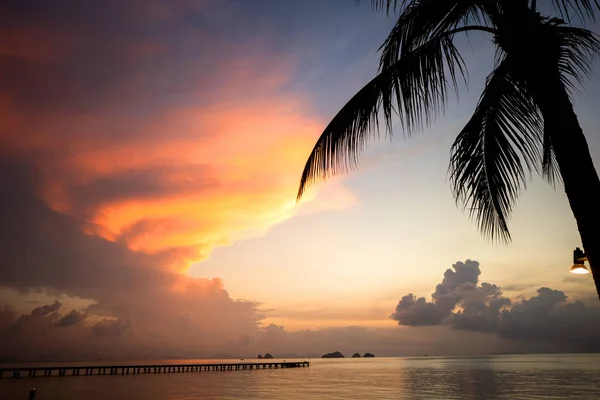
[17,372]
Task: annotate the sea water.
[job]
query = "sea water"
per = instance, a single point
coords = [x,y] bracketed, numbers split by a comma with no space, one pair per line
[505,377]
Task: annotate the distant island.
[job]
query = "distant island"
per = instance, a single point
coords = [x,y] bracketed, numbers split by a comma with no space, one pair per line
[355,355]
[267,356]
[369,355]
[335,354]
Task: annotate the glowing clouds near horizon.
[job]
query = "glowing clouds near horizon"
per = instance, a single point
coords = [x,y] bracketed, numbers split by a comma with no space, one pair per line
[161,150]
[133,142]
[128,157]
[173,201]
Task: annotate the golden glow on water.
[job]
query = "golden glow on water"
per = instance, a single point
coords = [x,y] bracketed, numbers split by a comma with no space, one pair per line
[520,377]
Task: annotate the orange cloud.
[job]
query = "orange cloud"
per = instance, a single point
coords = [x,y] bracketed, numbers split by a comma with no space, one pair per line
[241,178]
[195,175]
[127,158]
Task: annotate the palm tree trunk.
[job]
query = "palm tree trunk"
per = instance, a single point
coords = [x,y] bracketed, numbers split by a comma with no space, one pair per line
[579,175]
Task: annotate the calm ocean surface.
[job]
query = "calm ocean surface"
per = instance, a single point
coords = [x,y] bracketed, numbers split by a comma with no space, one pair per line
[491,377]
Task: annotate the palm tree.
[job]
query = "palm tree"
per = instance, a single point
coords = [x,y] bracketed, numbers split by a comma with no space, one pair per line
[524,120]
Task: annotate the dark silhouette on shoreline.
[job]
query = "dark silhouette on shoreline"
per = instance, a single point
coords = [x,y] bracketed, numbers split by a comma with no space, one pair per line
[335,354]
[356,355]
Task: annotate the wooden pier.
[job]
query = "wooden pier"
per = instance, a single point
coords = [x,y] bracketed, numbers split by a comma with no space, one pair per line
[32,372]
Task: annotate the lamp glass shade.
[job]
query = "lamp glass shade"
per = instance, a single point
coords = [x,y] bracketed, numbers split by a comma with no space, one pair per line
[579,269]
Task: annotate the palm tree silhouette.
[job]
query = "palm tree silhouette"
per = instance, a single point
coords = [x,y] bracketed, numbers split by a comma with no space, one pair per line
[524,120]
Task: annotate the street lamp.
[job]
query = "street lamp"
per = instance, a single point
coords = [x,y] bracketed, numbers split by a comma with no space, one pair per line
[579,259]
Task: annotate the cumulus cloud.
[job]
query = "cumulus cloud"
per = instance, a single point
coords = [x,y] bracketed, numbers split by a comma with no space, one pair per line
[462,303]
[456,284]
[143,303]
[7,316]
[42,338]
[109,327]
[46,309]
[413,311]
[72,318]
[126,157]
[143,140]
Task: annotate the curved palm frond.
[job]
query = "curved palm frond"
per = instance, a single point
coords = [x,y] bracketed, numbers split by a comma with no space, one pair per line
[584,9]
[578,49]
[550,170]
[388,5]
[492,153]
[421,20]
[414,88]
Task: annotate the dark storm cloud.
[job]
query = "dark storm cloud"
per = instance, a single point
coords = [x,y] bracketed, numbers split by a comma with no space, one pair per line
[462,304]
[47,309]
[415,311]
[36,80]
[480,309]
[108,327]
[82,56]
[41,338]
[46,313]
[122,101]
[448,292]
[79,55]
[153,182]
[42,249]
[72,318]
[548,316]
[7,316]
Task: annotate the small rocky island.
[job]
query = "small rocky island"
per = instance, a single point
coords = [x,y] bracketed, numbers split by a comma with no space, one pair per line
[355,355]
[368,355]
[266,357]
[335,354]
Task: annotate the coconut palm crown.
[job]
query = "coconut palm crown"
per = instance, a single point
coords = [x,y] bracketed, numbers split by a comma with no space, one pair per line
[524,120]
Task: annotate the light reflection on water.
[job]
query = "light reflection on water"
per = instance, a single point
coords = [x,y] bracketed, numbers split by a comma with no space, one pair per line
[521,377]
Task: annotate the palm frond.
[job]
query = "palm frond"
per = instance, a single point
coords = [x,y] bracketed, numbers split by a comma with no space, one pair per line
[389,5]
[492,153]
[584,9]
[421,20]
[414,88]
[550,171]
[578,50]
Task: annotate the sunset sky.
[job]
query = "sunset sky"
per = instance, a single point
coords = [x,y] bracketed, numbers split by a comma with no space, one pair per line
[150,153]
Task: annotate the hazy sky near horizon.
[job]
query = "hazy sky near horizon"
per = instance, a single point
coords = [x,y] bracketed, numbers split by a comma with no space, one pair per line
[151,152]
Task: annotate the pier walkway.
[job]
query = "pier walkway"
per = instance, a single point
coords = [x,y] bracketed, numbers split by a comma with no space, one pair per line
[32,372]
